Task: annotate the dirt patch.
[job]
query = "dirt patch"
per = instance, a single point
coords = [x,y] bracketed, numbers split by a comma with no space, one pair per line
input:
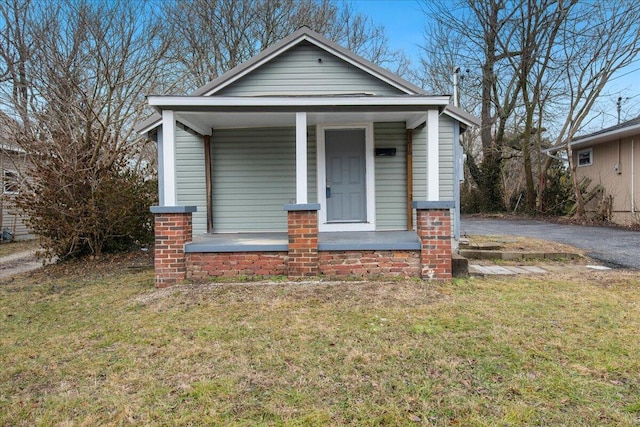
[107,265]
[523,244]
[17,246]
[17,263]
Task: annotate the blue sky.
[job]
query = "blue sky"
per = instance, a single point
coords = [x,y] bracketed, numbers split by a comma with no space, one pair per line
[404,22]
[402,19]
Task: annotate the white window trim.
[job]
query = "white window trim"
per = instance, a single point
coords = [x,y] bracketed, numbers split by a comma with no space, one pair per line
[587,150]
[370,224]
[4,181]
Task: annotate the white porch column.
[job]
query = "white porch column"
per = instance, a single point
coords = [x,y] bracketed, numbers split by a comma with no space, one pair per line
[433,155]
[169,159]
[301,158]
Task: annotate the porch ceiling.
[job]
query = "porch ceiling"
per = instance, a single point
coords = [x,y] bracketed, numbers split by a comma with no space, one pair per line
[230,120]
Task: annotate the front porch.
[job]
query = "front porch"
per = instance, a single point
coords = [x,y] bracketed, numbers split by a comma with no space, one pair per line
[302,251]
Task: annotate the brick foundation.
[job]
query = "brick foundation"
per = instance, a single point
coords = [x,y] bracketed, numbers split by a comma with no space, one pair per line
[173,229]
[201,265]
[303,243]
[434,231]
[370,263]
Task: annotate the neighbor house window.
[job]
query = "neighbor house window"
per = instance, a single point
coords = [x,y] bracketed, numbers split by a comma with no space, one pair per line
[585,157]
[10,182]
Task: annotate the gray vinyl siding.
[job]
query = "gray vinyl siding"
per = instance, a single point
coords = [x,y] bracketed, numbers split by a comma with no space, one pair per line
[420,164]
[447,158]
[298,71]
[446,151]
[10,218]
[391,177]
[190,177]
[13,220]
[254,176]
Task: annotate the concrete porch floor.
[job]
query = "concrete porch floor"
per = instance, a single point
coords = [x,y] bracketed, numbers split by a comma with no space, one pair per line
[278,241]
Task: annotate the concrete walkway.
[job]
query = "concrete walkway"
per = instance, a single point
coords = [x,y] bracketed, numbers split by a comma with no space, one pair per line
[19,262]
[504,270]
[615,247]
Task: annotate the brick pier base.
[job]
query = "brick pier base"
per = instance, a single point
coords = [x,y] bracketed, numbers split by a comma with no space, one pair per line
[302,223]
[173,228]
[434,231]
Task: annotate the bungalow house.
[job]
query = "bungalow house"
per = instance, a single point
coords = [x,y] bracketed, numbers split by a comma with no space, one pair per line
[610,158]
[306,160]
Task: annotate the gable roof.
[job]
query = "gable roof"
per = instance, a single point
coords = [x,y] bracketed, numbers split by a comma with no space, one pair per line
[308,35]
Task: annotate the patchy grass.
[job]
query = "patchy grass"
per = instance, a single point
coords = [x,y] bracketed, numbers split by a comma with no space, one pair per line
[96,344]
[18,246]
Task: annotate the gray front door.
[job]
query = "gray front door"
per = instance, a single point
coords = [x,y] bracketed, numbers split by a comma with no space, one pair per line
[346,185]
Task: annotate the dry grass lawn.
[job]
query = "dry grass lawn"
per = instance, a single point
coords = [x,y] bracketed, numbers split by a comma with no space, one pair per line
[96,344]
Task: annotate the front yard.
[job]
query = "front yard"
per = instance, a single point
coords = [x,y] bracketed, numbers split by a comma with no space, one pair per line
[96,344]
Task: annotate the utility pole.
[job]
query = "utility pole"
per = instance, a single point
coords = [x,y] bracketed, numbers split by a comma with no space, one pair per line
[619,106]
[456,71]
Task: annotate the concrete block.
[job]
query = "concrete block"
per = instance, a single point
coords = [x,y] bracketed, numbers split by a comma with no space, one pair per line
[487,246]
[459,266]
[511,255]
[533,255]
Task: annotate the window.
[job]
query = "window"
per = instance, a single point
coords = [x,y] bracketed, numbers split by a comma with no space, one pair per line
[10,182]
[585,157]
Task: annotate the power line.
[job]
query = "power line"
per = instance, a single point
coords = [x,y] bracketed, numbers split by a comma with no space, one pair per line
[625,74]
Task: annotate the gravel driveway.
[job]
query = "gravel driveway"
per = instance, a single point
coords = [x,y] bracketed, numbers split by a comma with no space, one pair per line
[616,247]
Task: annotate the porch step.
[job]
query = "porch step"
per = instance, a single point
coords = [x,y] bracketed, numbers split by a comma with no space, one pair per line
[512,255]
[484,246]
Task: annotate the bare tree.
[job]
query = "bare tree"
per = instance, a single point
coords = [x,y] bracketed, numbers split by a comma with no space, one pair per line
[543,65]
[76,76]
[538,27]
[477,27]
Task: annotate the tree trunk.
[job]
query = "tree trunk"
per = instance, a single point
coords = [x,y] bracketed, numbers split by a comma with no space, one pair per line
[577,191]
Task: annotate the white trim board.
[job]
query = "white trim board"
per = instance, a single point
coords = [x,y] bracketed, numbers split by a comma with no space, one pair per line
[370,224]
[192,103]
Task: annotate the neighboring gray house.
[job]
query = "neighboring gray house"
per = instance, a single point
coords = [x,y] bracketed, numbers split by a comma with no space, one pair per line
[13,163]
[305,131]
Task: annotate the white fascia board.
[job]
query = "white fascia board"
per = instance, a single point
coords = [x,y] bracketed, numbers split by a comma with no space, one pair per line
[148,129]
[607,136]
[470,121]
[185,102]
